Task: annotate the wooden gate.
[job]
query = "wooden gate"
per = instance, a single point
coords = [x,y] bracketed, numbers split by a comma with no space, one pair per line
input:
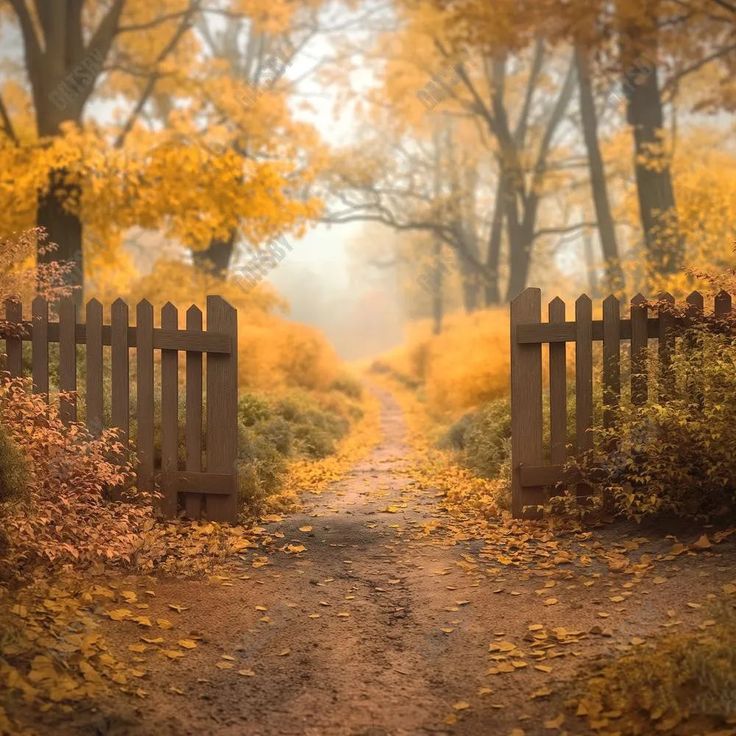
[201,480]
[531,475]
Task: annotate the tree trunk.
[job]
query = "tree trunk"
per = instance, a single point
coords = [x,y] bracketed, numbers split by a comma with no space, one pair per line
[64,229]
[606,228]
[654,182]
[437,290]
[216,258]
[590,264]
[493,256]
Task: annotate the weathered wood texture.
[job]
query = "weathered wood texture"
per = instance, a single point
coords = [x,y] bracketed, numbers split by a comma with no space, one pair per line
[532,479]
[198,481]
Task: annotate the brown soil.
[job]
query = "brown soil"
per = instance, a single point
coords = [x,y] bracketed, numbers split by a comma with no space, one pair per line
[386,667]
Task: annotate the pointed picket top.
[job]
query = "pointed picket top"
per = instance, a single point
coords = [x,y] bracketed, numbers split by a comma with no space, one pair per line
[119,311]
[169,312]
[695,306]
[194,311]
[144,307]
[556,310]
[583,299]
[722,303]
[612,301]
[94,308]
[665,296]
[638,300]
[529,292]
[12,305]
[39,308]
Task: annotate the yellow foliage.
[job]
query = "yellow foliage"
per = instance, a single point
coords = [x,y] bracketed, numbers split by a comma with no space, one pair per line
[273,351]
[465,366]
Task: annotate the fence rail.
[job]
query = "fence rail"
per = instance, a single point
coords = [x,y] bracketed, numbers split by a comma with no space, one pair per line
[204,481]
[531,476]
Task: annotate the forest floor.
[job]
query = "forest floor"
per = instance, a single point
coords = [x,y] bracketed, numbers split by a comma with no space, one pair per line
[378,613]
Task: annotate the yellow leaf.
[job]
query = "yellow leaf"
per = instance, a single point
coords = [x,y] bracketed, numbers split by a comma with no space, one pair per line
[187,643]
[119,614]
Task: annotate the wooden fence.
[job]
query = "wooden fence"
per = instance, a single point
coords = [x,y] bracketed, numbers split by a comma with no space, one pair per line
[205,479]
[531,477]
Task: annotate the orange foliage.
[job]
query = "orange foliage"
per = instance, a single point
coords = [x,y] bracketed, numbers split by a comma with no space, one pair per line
[463,367]
[65,516]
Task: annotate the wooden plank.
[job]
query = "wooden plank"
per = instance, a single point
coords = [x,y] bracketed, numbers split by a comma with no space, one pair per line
[144,394]
[557,388]
[120,369]
[695,307]
[198,483]
[722,304]
[526,401]
[611,359]
[202,342]
[14,345]
[532,333]
[222,404]
[584,374]
[67,359]
[547,475]
[193,423]
[40,346]
[93,396]
[638,350]
[583,381]
[666,345]
[692,343]
[169,412]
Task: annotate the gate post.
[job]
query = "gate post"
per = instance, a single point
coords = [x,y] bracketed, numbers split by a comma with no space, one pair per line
[526,399]
[222,410]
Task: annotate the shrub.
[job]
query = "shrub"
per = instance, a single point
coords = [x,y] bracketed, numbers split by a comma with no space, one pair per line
[675,456]
[274,430]
[348,385]
[483,438]
[677,678]
[66,516]
[14,469]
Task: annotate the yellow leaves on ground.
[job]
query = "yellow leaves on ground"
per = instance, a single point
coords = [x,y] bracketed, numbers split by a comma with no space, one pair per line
[310,476]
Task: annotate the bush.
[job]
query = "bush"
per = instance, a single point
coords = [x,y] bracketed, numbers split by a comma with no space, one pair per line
[676,456]
[678,678]
[65,516]
[14,470]
[348,385]
[274,430]
[483,438]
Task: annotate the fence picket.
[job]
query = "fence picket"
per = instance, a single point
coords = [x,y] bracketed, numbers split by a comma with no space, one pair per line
[93,399]
[208,487]
[68,359]
[639,340]
[193,420]
[144,396]
[526,400]
[120,369]
[611,359]
[222,400]
[40,345]
[557,388]
[722,304]
[529,476]
[169,412]
[666,345]
[14,345]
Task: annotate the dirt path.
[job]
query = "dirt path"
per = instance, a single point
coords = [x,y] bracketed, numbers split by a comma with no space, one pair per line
[382,624]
